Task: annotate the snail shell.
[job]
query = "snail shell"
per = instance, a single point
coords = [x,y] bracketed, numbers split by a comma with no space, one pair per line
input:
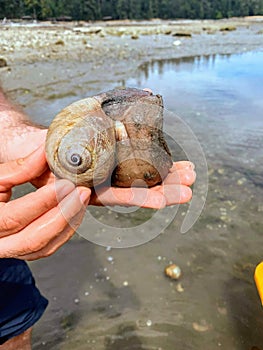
[173,271]
[116,134]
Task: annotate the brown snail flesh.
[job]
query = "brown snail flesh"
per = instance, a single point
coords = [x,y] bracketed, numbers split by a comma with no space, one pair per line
[117,134]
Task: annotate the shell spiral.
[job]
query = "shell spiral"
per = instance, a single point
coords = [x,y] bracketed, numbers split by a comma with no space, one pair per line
[80,143]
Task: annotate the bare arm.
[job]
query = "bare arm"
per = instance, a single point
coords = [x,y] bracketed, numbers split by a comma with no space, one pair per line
[18,137]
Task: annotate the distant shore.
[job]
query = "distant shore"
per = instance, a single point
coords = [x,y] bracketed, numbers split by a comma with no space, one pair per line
[117,47]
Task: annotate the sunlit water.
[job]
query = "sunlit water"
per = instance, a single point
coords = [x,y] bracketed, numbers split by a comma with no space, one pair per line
[120,299]
[220,97]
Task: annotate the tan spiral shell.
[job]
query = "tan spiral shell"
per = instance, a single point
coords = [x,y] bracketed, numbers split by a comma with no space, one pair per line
[117,134]
[81,130]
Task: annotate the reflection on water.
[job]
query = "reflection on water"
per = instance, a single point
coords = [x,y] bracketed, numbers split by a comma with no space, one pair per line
[220,96]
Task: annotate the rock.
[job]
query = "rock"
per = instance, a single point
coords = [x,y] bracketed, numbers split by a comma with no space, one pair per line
[3,62]
[221,171]
[241,181]
[227,29]
[135,36]
[173,271]
[202,326]
[60,42]
[179,288]
[177,42]
[87,30]
[182,34]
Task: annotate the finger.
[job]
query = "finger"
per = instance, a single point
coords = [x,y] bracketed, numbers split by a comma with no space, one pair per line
[23,169]
[40,232]
[184,164]
[176,194]
[181,176]
[5,196]
[134,196]
[44,179]
[19,213]
[58,241]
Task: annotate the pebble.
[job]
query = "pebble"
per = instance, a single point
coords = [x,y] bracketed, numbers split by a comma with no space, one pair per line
[3,62]
[241,181]
[149,323]
[76,301]
[179,288]
[221,171]
[135,36]
[201,327]
[60,42]
[177,42]
[173,271]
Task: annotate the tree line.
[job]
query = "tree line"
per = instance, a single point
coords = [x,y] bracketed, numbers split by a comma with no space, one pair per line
[129,9]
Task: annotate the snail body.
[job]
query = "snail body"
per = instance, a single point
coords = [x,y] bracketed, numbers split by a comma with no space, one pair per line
[117,135]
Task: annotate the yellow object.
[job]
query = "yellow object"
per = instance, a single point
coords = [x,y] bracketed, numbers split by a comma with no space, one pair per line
[258,276]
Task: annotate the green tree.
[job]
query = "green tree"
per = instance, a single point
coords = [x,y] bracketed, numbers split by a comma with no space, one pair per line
[33,7]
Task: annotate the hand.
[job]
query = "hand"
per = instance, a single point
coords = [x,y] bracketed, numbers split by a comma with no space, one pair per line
[174,190]
[24,140]
[37,224]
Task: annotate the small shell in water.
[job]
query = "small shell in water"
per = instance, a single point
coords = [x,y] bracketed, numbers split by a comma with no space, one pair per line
[173,271]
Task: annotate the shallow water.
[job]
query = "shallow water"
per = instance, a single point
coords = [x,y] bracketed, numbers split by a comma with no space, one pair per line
[102,298]
[219,96]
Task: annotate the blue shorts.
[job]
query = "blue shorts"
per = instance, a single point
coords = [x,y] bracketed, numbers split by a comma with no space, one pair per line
[21,303]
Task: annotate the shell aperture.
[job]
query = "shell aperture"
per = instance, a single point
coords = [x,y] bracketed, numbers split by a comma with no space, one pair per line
[117,134]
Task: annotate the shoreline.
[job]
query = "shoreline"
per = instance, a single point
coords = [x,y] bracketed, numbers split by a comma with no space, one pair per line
[116,50]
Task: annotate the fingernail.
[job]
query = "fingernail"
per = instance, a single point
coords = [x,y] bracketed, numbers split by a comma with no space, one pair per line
[185,194]
[63,188]
[84,196]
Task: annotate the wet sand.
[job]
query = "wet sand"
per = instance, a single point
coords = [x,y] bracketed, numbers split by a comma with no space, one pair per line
[120,299]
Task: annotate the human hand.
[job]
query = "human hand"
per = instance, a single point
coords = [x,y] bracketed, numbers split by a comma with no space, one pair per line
[173,190]
[21,142]
[37,224]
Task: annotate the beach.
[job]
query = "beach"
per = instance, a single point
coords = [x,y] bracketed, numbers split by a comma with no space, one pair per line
[108,299]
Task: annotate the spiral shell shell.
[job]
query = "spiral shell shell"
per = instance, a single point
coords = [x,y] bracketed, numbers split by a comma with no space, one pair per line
[80,144]
[117,135]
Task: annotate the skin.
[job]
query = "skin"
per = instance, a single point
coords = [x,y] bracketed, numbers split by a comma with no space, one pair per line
[37,224]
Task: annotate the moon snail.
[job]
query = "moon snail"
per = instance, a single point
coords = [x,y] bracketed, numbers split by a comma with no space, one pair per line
[115,135]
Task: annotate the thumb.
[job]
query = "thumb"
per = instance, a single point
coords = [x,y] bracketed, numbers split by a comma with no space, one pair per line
[23,170]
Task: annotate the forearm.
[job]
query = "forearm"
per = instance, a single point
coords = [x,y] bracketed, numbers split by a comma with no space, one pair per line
[18,135]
